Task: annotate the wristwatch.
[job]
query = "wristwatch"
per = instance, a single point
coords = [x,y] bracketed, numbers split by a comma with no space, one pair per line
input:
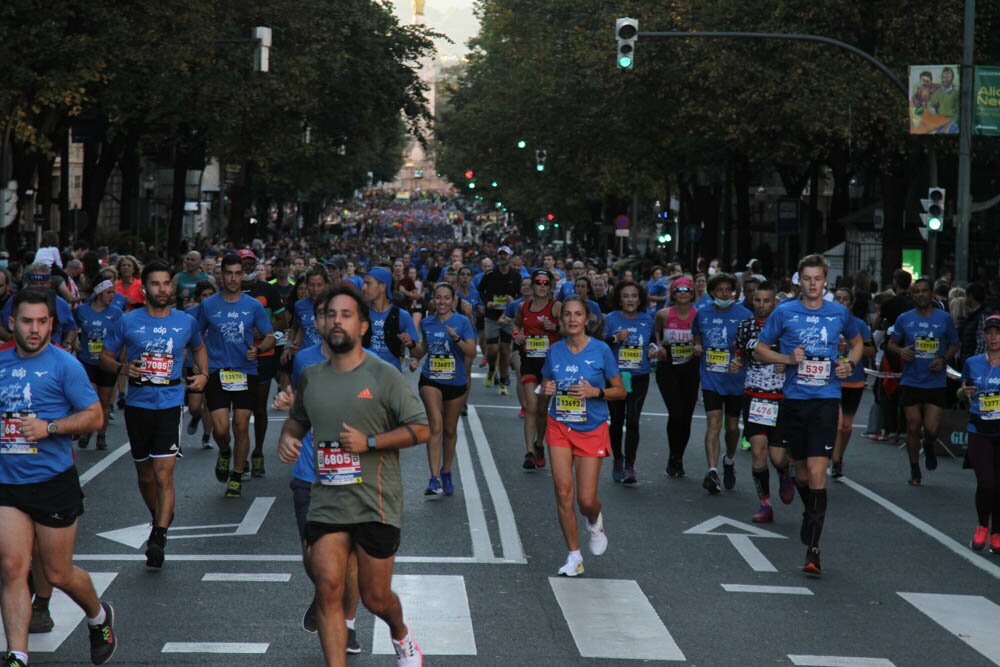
[52,428]
[371,443]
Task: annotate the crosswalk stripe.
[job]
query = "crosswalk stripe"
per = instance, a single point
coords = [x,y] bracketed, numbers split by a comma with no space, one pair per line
[215,647]
[837,661]
[436,611]
[66,616]
[779,590]
[247,576]
[972,618]
[612,618]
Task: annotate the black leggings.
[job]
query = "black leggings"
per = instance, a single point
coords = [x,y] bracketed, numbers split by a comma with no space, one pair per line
[626,413]
[679,387]
[984,456]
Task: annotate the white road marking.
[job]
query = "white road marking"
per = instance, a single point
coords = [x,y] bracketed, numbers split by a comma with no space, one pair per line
[214,647]
[479,532]
[972,618]
[776,590]
[272,558]
[254,518]
[135,536]
[510,539]
[741,541]
[66,616]
[612,618]
[961,550]
[837,661]
[258,576]
[105,463]
[436,610]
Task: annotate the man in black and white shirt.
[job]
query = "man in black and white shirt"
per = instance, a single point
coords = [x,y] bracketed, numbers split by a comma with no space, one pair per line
[762,399]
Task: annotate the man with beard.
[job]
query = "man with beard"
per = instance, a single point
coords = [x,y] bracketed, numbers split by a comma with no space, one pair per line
[45,398]
[357,501]
[229,321]
[154,338]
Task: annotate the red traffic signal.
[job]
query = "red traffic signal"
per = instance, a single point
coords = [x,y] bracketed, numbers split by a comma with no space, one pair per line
[550,217]
[469,174]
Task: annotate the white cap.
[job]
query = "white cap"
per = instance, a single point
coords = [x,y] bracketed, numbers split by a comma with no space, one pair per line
[750,263]
[795,278]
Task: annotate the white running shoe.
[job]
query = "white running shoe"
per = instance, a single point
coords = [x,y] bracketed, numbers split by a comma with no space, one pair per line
[407,653]
[598,540]
[572,568]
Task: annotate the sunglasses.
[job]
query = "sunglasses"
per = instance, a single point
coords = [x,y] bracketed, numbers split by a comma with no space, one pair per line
[541,282]
[683,289]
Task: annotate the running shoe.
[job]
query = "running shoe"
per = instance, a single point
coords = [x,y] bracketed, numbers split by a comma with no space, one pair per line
[837,469]
[84,440]
[618,470]
[257,465]
[41,620]
[155,551]
[630,476]
[407,653]
[930,456]
[447,485]
[482,362]
[353,647]
[309,623]
[978,538]
[786,488]
[234,488]
[222,465]
[488,380]
[102,442]
[539,457]
[598,540]
[711,483]
[521,413]
[995,543]
[529,461]
[504,391]
[111,415]
[572,568]
[10,661]
[206,441]
[192,426]
[915,478]
[674,468]
[102,637]
[812,566]
[744,444]
[433,487]
[728,474]
[764,515]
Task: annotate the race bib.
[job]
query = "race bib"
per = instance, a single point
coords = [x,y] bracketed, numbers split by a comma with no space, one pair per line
[233,380]
[629,358]
[681,353]
[814,372]
[156,367]
[12,441]
[717,360]
[570,409]
[763,411]
[927,348]
[95,347]
[336,467]
[537,346]
[442,367]
[989,406]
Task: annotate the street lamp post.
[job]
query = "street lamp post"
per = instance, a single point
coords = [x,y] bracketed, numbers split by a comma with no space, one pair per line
[149,183]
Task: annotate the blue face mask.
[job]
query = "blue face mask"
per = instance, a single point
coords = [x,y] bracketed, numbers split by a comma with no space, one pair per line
[723,303]
[3,263]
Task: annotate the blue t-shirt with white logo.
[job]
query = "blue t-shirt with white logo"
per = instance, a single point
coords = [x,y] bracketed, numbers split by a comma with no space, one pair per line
[633,354]
[717,329]
[50,385]
[159,342]
[858,375]
[657,288]
[94,328]
[930,337]
[305,316]
[445,361]
[818,332]
[378,346]
[985,403]
[228,329]
[597,365]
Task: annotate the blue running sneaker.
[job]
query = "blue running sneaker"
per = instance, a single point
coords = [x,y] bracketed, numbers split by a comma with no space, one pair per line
[433,487]
[618,470]
[446,484]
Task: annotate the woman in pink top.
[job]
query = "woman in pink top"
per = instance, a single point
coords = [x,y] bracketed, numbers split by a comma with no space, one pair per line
[128,283]
[677,369]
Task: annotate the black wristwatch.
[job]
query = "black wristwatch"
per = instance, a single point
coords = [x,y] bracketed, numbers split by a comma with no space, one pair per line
[371,443]
[600,394]
[853,365]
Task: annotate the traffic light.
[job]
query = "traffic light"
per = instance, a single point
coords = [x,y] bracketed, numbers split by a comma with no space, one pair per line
[540,156]
[8,204]
[261,49]
[522,143]
[494,184]
[472,185]
[933,217]
[550,217]
[627,32]
[541,226]
[469,174]
[664,238]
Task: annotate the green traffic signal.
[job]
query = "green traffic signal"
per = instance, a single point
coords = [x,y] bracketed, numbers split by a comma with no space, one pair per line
[522,144]
[935,223]
[472,185]
[541,226]
[664,238]
[625,62]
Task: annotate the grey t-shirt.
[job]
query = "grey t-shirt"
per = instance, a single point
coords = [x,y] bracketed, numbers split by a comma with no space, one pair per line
[373,398]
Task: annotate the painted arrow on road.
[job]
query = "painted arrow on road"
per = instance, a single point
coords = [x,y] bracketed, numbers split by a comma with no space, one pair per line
[741,540]
[135,536]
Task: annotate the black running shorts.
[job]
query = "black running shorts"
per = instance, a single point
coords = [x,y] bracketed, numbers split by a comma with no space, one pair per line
[153,433]
[218,399]
[55,503]
[714,401]
[808,427]
[910,396]
[850,399]
[99,378]
[379,540]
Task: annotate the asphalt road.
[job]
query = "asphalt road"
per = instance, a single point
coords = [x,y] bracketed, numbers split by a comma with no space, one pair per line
[679,584]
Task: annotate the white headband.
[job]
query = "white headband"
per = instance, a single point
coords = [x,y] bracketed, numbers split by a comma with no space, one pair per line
[103,285]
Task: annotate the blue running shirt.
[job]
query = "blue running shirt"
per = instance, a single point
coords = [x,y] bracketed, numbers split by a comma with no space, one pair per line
[445,361]
[597,365]
[633,354]
[305,317]
[717,329]
[985,403]
[305,466]
[378,346]
[228,329]
[94,328]
[930,337]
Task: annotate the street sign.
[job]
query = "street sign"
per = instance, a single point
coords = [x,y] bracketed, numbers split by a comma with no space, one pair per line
[622,233]
[691,233]
[787,222]
[622,222]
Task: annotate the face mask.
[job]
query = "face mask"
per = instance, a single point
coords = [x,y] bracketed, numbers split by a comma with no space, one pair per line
[712,271]
[250,277]
[3,263]
[724,303]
